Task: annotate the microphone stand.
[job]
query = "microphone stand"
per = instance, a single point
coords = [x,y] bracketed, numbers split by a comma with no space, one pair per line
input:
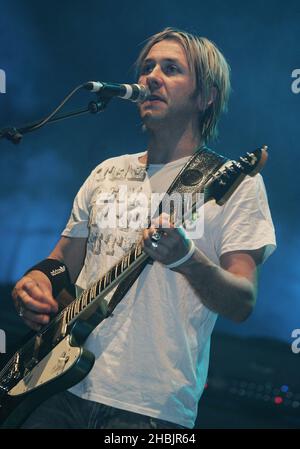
[15,135]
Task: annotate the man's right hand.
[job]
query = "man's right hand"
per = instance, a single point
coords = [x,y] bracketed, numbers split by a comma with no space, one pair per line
[32,296]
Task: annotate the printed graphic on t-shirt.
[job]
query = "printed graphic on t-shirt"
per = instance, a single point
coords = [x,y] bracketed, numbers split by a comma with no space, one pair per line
[112,173]
[119,211]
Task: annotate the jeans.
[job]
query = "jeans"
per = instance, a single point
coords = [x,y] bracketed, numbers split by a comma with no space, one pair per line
[68,411]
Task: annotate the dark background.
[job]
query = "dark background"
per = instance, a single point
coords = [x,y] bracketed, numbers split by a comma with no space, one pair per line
[48,48]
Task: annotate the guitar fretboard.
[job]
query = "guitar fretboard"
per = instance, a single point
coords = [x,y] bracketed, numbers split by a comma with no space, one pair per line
[105,283]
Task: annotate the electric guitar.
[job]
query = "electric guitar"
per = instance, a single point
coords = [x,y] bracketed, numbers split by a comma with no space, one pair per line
[54,359]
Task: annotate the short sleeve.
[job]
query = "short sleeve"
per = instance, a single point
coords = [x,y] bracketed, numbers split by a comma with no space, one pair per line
[77,225]
[245,222]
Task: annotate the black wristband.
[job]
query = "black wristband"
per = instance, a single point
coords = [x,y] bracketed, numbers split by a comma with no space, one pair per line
[56,271]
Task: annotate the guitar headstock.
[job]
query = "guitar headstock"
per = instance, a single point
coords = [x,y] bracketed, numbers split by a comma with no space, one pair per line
[226,180]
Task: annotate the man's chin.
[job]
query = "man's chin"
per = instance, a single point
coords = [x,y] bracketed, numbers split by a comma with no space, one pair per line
[150,117]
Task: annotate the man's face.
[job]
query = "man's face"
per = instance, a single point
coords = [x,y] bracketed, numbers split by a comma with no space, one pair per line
[166,72]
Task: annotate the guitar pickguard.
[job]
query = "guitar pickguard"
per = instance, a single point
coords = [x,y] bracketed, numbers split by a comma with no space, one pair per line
[57,362]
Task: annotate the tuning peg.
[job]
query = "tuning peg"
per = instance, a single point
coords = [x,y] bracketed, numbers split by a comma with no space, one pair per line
[231,168]
[244,160]
[237,165]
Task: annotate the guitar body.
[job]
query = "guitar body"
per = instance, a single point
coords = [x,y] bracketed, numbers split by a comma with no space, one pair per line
[64,366]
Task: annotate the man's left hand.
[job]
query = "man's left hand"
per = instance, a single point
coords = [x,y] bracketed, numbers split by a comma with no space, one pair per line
[165,243]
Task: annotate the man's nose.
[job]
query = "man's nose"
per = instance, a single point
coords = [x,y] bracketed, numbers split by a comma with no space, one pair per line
[154,79]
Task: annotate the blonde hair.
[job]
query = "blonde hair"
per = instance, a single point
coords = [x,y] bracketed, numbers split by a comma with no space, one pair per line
[210,69]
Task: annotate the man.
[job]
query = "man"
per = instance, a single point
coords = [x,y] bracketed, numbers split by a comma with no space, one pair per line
[152,354]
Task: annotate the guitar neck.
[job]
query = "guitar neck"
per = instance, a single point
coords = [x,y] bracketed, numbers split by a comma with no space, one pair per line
[105,284]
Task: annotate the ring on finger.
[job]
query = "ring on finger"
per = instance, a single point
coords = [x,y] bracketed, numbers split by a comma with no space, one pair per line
[155,237]
[21,310]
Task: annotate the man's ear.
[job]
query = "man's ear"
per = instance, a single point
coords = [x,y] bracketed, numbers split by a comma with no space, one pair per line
[204,105]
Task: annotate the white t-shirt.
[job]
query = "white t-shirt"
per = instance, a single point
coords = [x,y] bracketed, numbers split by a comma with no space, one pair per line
[152,355]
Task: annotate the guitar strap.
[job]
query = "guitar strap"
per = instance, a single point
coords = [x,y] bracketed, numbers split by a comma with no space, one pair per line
[191,179]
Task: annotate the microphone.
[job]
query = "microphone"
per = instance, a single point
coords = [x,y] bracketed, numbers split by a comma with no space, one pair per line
[132,92]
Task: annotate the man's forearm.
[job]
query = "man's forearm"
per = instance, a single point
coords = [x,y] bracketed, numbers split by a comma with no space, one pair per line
[70,251]
[225,293]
